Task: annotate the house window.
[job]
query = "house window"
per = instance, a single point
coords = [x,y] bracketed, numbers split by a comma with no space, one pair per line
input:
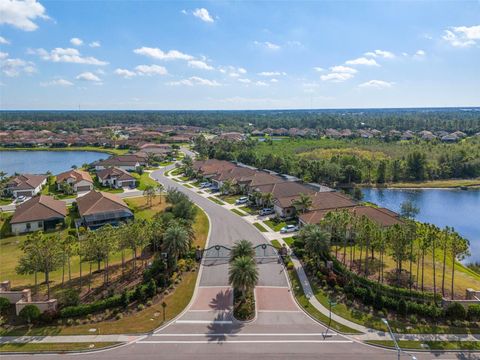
[40,224]
[28,226]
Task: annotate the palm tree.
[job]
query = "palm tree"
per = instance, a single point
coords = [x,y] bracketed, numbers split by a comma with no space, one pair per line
[316,240]
[159,189]
[243,275]
[226,187]
[2,175]
[303,203]
[150,193]
[176,242]
[242,248]
[267,199]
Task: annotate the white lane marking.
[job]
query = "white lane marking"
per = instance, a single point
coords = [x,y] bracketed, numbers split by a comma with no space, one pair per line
[248,342]
[246,334]
[204,322]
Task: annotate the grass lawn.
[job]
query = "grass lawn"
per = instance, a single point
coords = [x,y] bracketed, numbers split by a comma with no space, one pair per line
[166,163]
[238,212]
[230,198]
[188,186]
[6,201]
[429,345]
[184,178]
[260,227]
[437,183]
[311,310]
[201,227]
[276,244]
[144,180]
[57,347]
[289,240]
[143,210]
[278,226]
[176,172]
[249,210]
[215,200]
[464,277]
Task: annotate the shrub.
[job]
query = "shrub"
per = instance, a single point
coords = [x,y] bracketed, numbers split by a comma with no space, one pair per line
[30,313]
[413,319]
[455,311]
[402,307]
[4,305]
[69,297]
[139,293]
[140,307]
[82,310]
[473,313]
[378,301]
[48,316]
[369,297]
[151,289]
[125,298]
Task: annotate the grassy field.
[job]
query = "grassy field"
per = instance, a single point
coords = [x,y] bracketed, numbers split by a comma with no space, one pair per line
[260,227]
[248,210]
[276,244]
[278,226]
[143,210]
[230,198]
[311,310]
[144,180]
[53,347]
[289,240]
[429,345]
[464,277]
[440,184]
[73,148]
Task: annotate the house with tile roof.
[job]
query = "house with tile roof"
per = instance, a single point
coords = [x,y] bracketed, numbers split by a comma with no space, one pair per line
[38,213]
[98,208]
[116,178]
[80,180]
[25,185]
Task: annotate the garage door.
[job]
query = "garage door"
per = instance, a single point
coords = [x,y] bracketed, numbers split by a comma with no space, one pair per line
[24,193]
[83,188]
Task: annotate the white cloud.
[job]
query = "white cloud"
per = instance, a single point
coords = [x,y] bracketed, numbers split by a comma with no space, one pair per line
[56,82]
[234,74]
[21,14]
[462,36]
[336,77]
[261,83]
[380,53]
[241,70]
[376,84]
[272,73]
[343,69]
[4,41]
[157,53]
[267,45]
[127,74]
[68,55]
[420,53]
[15,67]
[194,80]
[88,76]
[319,69]
[245,81]
[150,70]
[76,41]
[95,44]
[198,64]
[184,12]
[362,61]
[203,15]
[273,80]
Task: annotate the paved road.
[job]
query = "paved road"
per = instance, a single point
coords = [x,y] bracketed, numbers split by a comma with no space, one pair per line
[207,329]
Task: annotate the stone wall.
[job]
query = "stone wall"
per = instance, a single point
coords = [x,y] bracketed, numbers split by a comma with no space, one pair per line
[23,298]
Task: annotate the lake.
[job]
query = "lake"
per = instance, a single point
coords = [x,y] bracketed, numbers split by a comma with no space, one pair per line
[442,207]
[39,162]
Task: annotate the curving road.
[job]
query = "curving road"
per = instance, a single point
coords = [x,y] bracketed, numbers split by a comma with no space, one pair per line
[207,330]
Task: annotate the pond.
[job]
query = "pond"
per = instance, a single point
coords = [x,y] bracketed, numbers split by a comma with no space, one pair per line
[39,162]
[457,208]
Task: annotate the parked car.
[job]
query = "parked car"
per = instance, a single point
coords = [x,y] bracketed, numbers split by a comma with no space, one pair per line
[21,199]
[241,200]
[266,211]
[205,185]
[289,229]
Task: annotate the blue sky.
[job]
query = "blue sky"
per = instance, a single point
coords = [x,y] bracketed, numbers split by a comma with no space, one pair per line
[238,55]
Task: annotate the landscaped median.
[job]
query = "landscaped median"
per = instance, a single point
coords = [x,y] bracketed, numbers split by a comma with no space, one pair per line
[215,200]
[238,212]
[260,227]
[36,347]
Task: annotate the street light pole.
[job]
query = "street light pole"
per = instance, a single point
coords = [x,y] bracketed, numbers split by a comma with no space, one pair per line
[399,350]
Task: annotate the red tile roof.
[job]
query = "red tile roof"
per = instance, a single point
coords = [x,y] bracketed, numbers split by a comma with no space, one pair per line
[39,208]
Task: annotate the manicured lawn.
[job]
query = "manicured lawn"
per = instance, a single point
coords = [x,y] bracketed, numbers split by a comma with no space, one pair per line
[188,186]
[276,244]
[176,172]
[230,198]
[249,210]
[260,227]
[200,227]
[311,310]
[289,240]
[184,178]
[215,200]
[166,163]
[143,210]
[57,347]
[6,201]
[144,180]
[432,345]
[238,212]
[278,226]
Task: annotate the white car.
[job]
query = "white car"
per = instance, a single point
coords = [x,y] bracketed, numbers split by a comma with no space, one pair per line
[289,229]
[242,200]
[205,185]
[266,211]
[20,199]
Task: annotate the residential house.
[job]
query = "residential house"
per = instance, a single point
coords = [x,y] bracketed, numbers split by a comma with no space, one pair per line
[211,167]
[99,208]
[80,180]
[115,178]
[450,138]
[25,185]
[129,162]
[156,149]
[38,213]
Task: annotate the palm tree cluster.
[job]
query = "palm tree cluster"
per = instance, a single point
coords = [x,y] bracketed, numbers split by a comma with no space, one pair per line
[243,272]
[359,243]
[170,232]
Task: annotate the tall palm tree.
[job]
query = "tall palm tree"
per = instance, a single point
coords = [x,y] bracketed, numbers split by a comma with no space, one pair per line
[150,193]
[303,203]
[159,189]
[316,240]
[267,199]
[243,274]
[176,242]
[242,248]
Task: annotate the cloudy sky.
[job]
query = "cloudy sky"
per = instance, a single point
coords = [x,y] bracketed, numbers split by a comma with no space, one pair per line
[238,55]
